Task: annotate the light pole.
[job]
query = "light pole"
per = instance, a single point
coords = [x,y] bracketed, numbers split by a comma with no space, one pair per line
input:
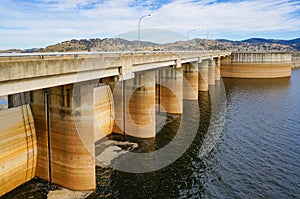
[188,34]
[139,28]
[207,36]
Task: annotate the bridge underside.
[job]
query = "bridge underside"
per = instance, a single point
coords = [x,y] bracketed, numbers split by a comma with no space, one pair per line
[67,120]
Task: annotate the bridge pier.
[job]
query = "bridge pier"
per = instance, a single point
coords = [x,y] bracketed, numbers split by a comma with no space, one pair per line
[65,135]
[212,72]
[136,99]
[203,76]
[190,81]
[218,68]
[68,120]
[170,90]
[18,150]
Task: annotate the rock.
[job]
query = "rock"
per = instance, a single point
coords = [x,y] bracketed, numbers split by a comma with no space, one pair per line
[68,194]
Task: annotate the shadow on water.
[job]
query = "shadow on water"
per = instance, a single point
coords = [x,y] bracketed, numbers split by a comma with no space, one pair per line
[36,188]
[179,179]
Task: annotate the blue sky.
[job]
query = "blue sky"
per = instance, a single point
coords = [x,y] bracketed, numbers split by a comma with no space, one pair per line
[38,23]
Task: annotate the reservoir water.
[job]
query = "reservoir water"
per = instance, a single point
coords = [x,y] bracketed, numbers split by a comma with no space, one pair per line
[255,155]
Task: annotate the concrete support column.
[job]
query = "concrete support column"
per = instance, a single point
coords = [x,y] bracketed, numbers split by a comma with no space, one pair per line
[218,68]
[38,106]
[104,112]
[203,76]
[190,81]
[135,106]
[64,119]
[171,90]
[211,72]
[72,138]
[119,105]
[18,149]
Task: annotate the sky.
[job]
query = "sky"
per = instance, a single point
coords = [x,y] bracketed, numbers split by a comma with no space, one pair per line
[38,23]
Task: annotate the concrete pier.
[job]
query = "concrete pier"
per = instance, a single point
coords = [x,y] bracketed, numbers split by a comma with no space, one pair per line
[218,69]
[18,148]
[68,120]
[65,136]
[171,90]
[203,76]
[135,106]
[190,81]
[211,72]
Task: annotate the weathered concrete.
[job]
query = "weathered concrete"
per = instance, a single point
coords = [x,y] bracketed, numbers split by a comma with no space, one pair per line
[218,68]
[18,148]
[203,76]
[135,106]
[190,81]
[26,72]
[257,65]
[68,120]
[211,72]
[70,125]
[171,90]
[104,112]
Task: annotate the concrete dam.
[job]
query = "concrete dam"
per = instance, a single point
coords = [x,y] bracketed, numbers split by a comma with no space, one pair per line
[60,104]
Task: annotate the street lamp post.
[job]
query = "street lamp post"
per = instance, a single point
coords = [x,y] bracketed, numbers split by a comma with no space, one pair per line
[139,28]
[188,34]
[207,36]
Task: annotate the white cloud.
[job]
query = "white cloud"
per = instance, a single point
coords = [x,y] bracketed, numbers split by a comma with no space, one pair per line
[54,21]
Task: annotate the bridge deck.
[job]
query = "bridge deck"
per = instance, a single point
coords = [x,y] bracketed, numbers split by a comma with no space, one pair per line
[20,72]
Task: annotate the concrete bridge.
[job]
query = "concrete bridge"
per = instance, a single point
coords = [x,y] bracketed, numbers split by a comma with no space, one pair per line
[60,104]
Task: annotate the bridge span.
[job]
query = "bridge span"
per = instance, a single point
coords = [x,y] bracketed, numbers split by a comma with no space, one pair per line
[60,104]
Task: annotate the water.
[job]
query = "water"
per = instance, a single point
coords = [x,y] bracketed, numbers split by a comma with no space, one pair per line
[256,155]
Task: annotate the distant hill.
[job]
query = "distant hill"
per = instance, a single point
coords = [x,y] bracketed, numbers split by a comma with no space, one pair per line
[295,43]
[117,44]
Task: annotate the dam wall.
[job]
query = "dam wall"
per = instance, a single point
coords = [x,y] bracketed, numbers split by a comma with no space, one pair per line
[257,65]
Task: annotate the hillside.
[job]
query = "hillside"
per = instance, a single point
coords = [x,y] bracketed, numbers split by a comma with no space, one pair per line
[117,44]
[294,43]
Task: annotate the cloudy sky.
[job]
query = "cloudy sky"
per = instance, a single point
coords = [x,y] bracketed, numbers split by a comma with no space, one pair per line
[38,23]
